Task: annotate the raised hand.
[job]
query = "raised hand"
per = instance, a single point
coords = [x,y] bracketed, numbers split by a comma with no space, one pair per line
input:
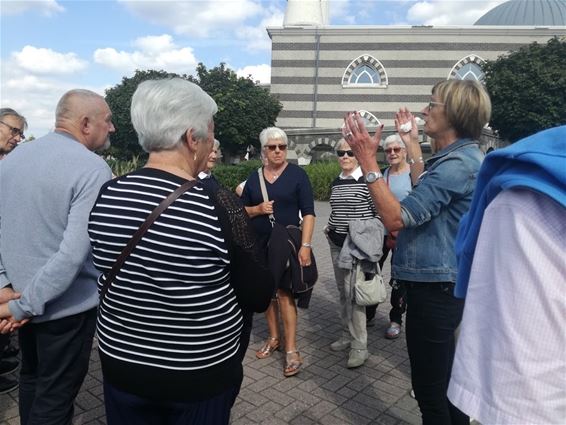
[405,120]
[363,145]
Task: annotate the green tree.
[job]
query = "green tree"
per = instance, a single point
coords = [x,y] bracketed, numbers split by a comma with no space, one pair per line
[528,89]
[244,108]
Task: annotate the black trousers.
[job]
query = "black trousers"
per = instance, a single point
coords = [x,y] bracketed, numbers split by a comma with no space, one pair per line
[55,357]
[371,309]
[398,301]
[123,408]
[433,314]
[4,342]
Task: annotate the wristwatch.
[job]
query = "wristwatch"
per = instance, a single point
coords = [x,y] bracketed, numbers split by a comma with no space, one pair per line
[373,176]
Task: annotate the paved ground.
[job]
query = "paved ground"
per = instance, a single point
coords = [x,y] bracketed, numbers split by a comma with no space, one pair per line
[325,392]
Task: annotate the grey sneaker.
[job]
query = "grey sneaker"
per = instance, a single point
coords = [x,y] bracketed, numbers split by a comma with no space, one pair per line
[357,358]
[340,345]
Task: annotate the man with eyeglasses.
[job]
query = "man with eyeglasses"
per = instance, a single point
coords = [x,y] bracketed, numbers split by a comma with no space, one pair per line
[12,125]
[47,189]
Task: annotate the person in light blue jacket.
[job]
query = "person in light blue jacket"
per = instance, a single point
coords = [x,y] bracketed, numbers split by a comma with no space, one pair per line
[425,259]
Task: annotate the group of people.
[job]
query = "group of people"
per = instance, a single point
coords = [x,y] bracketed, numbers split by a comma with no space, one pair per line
[145,259]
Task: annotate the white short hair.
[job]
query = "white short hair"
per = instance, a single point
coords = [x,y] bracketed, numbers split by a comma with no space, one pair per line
[393,138]
[272,133]
[163,110]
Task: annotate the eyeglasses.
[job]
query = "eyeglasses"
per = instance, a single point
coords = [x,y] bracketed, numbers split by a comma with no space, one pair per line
[273,147]
[389,151]
[342,153]
[433,104]
[15,131]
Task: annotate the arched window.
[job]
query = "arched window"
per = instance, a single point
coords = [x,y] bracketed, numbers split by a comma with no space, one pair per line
[468,68]
[370,120]
[365,71]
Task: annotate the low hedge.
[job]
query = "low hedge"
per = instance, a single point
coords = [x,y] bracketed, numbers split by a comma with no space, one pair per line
[321,174]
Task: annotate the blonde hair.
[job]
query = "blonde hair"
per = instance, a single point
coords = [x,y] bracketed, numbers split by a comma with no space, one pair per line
[467,105]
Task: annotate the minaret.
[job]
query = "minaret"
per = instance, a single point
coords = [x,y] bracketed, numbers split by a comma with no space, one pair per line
[306,13]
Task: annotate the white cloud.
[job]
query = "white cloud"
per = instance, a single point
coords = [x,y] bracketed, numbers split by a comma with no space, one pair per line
[261,73]
[46,61]
[16,7]
[35,97]
[455,12]
[195,18]
[153,52]
[257,37]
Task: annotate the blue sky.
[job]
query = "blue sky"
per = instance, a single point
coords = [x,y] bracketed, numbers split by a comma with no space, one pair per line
[48,46]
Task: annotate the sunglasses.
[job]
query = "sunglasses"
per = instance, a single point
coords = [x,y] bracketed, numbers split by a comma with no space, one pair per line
[342,153]
[389,151]
[273,147]
[15,131]
[433,104]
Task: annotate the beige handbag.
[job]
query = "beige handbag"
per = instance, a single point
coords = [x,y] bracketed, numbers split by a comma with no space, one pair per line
[368,292]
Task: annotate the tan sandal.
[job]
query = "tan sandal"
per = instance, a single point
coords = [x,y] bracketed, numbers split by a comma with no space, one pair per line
[268,348]
[293,363]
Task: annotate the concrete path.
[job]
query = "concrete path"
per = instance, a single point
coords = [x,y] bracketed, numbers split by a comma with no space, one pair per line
[324,392]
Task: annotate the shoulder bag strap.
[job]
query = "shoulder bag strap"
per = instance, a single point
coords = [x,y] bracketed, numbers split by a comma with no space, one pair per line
[140,232]
[264,193]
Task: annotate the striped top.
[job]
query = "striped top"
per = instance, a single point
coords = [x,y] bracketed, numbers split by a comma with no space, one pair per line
[349,200]
[170,316]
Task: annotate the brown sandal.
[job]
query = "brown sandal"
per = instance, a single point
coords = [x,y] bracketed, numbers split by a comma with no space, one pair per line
[293,363]
[268,348]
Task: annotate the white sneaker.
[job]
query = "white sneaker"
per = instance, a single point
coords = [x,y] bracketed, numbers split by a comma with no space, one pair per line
[357,358]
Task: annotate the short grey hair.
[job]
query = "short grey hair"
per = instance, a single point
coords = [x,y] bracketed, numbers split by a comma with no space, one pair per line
[5,112]
[216,144]
[163,110]
[272,133]
[66,108]
[340,143]
[393,138]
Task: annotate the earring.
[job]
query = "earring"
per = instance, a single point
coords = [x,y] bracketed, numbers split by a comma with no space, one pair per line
[195,157]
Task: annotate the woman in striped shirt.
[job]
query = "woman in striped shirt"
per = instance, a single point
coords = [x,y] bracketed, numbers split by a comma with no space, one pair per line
[169,326]
[349,200]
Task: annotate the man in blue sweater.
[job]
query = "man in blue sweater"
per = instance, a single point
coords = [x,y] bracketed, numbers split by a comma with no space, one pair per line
[47,188]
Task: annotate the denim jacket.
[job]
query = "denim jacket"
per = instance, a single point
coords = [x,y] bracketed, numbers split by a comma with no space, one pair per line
[431,214]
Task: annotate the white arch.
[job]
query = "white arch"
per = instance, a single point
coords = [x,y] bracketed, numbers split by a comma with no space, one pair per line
[369,60]
[479,61]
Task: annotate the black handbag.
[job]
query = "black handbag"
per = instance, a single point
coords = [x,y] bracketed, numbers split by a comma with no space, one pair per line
[250,276]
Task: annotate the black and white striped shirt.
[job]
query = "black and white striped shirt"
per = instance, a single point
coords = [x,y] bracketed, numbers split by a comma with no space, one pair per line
[349,200]
[171,311]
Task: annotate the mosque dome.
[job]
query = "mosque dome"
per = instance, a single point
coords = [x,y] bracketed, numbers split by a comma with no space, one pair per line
[526,12]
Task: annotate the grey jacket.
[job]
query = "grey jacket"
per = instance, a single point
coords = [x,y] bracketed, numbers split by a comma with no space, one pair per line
[364,242]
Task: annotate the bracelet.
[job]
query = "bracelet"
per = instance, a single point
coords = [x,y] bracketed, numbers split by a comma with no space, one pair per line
[412,161]
[306,244]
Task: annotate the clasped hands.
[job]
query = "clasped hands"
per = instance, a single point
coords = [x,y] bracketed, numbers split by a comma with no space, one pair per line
[7,322]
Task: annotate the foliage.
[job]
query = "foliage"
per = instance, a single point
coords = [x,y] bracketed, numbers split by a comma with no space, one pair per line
[231,176]
[528,89]
[244,108]
[321,174]
[125,140]
[120,167]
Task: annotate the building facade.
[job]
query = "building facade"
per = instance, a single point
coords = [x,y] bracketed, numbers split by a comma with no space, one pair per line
[319,72]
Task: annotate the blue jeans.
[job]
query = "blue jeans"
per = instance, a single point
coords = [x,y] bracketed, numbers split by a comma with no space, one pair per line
[55,357]
[433,314]
[123,408]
